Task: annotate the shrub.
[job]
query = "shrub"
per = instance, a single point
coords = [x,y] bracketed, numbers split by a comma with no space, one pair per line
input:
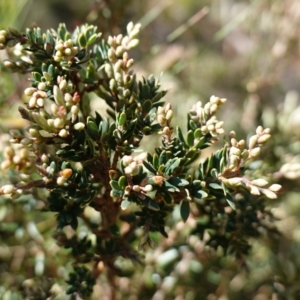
[82,159]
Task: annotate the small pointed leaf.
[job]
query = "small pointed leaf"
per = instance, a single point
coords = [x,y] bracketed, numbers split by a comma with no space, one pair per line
[184,210]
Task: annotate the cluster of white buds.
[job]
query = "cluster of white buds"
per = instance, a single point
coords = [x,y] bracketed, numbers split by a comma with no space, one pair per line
[65,50]
[256,186]
[204,116]
[3,38]
[164,118]
[61,112]
[119,62]
[139,190]
[257,140]
[37,96]
[18,157]
[133,164]
[120,44]
[290,170]
[64,176]
[237,154]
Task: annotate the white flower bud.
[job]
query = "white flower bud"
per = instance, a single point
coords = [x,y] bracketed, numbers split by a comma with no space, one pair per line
[79,126]
[128,170]
[5,164]
[213,109]
[275,187]
[235,151]
[40,102]
[63,84]
[42,86]
[24,153]
[127,160]
[255,152]
[211,127]
[254,190]
[8,152]
[136,188]
[119,51]
[61,180]
[133,43]
[269,194]
[263,139]
[253,141]
[259,182]
[29,91]
[32,102]
[169,115]
[219,124]
[59,123]
[214,100]
[148,188]
[75,109]
[45,158]
[17,159]
[259,130]
[63,133]
[8,189]
[235,181]
[68,51]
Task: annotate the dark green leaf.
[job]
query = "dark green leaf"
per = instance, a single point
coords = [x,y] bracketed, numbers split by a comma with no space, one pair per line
[184,210]
[149,167]
[190,138]
[177,181]
[180,137]
[114,184]
[151,204]
[215,186]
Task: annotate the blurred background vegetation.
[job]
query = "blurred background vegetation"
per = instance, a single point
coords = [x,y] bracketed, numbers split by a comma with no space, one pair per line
[245,51]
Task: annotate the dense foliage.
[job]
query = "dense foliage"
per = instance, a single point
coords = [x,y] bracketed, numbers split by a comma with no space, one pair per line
[82,159]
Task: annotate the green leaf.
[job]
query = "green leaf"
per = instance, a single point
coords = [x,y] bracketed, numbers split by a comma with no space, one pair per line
[215,186]
[114,229]
[155,161]
[170,187]
[82,40]
[162,158]
[37,76]
[199,194]
[168,199]
[149,167]
[151,204]
[128,132]
[92,128]
[155,127]
[230,201]
[180,137]
[146,106]
[192,125]
[62,30]
[92,39]
[172,165]
[214,173]
[200,143]
[190,138]
[177,181]
[184,210]
[114,184]
[103,127]
[125,204]
[122,182]
[122,118]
